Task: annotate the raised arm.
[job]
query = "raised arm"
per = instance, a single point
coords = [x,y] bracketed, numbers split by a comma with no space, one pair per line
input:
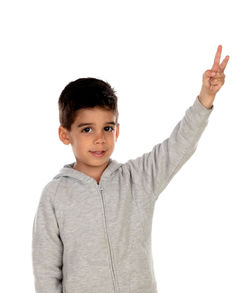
[152,171]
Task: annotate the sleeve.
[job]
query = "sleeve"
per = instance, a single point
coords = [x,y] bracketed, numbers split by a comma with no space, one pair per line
[154,170]
[47,248]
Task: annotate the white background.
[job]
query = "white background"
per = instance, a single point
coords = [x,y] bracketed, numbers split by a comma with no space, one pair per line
[154,54]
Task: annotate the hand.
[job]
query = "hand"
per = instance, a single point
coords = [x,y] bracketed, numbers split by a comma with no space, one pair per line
[213,80]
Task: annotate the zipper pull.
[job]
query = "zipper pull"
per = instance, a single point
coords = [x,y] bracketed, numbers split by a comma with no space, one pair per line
[100,187]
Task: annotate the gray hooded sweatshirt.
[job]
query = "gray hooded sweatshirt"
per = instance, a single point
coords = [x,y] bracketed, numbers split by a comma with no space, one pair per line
[96,238]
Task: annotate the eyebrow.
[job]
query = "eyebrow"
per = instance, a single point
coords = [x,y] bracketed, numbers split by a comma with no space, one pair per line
[84,124]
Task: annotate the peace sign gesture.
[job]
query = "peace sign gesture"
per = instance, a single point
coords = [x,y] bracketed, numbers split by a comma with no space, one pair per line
[213,80]
[217,67]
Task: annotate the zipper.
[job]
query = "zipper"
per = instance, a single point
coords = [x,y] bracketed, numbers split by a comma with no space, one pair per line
[100,188]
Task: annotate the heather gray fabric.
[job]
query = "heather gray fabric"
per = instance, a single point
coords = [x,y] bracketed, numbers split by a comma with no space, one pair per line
[90,238]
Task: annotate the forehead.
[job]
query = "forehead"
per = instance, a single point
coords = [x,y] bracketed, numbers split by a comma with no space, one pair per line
[91,115]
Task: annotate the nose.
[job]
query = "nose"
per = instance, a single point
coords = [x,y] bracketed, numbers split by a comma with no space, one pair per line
[99,137]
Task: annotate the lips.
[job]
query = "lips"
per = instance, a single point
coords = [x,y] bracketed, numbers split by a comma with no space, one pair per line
[98,153]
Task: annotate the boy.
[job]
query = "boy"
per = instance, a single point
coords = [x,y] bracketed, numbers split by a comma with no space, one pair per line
[92,229]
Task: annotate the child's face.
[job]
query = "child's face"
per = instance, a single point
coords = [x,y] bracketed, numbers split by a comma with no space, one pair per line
[97,135]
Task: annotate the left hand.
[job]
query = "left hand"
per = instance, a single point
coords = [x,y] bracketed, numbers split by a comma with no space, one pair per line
[213,80]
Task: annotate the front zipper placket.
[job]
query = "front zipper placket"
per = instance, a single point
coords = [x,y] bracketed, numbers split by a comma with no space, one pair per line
[100,189]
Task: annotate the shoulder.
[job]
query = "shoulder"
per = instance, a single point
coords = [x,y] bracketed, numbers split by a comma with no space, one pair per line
[49,191]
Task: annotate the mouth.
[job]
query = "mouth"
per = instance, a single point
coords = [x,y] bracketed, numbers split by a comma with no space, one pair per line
[98,153]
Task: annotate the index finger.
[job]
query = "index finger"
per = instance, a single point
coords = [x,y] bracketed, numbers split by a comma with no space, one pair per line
[215,66]
[224,63]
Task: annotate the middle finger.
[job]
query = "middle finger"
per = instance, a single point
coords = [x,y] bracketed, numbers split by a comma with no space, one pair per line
[217,59]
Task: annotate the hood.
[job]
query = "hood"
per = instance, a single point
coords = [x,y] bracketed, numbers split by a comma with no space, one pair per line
[68,171]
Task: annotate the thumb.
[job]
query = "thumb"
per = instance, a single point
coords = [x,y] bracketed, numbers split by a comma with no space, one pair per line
[207,75]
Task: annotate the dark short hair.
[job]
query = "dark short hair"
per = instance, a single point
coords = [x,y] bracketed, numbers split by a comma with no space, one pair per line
[85,93]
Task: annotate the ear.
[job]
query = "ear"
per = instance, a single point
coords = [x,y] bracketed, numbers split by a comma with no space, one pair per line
[64,135]
[117,130]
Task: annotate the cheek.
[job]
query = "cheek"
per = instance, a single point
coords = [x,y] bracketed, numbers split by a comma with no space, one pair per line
[112,138]
[82,143]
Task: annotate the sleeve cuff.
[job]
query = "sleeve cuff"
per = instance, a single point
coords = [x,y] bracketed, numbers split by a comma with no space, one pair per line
[200,108]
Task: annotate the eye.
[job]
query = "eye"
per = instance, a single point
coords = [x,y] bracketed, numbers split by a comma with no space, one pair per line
[85,129]
[110,128]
